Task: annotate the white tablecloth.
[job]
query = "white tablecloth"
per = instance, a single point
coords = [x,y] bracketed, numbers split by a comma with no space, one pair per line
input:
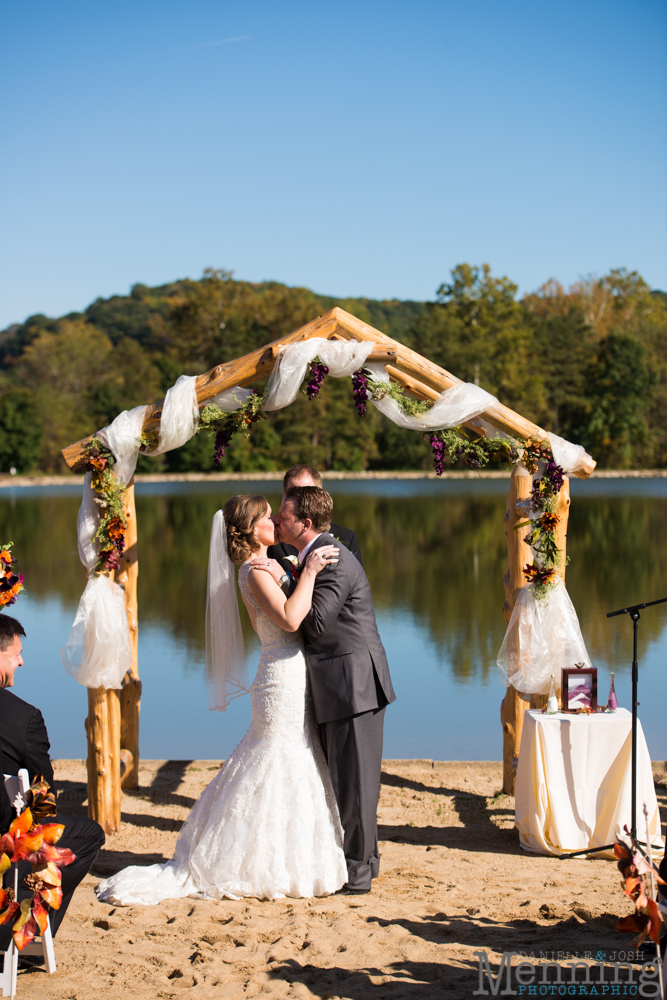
[574,778]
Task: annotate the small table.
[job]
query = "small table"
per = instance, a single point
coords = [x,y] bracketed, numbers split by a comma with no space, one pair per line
[574,778]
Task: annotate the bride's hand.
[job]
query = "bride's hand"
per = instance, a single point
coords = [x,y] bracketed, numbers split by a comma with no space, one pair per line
[318,559]
[271,566]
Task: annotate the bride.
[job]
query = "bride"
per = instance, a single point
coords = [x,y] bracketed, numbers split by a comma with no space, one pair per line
[267,825]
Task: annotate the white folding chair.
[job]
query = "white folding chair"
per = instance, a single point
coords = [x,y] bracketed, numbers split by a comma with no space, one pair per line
[17,785]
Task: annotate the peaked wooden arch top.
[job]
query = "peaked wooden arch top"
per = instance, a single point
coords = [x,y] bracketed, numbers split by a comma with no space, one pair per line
[420,377]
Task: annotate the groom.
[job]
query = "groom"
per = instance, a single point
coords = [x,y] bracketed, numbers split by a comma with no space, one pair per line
[349,678]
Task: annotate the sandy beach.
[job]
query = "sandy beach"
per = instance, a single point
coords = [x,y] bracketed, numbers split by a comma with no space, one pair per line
[454,881]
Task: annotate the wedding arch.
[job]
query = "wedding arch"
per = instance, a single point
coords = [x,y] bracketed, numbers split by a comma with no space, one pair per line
[397,380]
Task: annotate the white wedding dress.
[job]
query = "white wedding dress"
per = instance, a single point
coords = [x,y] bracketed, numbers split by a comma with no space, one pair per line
[267,825]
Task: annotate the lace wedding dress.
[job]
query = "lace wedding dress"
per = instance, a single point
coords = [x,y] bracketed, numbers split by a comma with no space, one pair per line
[267,825]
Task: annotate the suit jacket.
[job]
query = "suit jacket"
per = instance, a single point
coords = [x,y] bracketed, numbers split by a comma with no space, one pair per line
[347,664]
[280,551]
[23,738]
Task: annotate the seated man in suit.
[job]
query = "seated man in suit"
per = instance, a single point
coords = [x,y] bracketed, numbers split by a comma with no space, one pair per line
[307,475]
[24,743]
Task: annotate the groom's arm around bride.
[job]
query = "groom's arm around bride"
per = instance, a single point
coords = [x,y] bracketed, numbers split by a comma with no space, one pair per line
[349,677]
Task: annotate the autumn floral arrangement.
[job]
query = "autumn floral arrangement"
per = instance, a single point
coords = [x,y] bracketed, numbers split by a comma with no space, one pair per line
[11,583]
[30,839]
[214,421]
[99,461]
[640,877]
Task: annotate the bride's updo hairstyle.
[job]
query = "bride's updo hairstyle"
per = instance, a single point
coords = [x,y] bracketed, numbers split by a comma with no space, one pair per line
[241,515]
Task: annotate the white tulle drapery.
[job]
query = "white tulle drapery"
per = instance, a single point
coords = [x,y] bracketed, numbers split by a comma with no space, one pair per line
[342,358]
[123,438]
[452,408]
[98,651]
[180,415]
[230,399]
[542,637]
[226,669]
[570,457]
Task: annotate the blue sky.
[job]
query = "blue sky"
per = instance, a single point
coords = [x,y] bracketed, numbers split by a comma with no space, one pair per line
[357,148]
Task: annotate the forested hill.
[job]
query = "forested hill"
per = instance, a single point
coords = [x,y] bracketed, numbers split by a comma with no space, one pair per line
[589,362]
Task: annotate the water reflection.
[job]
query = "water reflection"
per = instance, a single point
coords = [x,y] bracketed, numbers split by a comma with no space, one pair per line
[434,554]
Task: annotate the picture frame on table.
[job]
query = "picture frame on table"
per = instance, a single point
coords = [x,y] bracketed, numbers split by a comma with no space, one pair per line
[579,688]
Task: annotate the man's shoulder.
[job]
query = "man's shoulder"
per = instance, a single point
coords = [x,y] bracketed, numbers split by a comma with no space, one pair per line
[14,710]
[11,704]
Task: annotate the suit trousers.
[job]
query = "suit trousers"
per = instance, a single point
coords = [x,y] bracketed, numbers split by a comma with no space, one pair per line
[353,748]
[84,837]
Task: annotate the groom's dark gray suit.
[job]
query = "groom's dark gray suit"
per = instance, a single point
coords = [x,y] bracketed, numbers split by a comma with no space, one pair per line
[351,687]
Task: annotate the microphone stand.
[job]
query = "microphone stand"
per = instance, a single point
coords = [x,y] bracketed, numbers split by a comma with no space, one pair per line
[635,616]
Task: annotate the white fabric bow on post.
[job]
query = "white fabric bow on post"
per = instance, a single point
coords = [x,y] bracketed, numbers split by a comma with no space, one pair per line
[542,637]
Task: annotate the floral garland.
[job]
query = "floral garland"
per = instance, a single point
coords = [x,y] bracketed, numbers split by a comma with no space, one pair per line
[543,500]
[454,443]
[447,446]
[31,840]
[11,583]
[213,420]
[99,461]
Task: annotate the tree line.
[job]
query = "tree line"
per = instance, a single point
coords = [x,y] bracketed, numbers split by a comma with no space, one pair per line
[589,363]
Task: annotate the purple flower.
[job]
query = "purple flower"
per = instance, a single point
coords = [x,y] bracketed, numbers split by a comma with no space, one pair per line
[222,439]
[360,390]
[318,373]
[438,449]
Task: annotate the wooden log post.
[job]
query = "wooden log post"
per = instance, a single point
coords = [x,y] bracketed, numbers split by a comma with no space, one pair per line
[103,735]
[513,705]
[112,726]
[130,694]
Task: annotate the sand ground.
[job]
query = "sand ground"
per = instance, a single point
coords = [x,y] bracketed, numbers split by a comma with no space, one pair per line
[454,881]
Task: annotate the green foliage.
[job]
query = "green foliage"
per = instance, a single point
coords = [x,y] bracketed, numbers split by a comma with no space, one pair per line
[477,330]
[20,433]
[620,383]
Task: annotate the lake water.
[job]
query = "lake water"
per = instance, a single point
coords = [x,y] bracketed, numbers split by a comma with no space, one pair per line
[434,552]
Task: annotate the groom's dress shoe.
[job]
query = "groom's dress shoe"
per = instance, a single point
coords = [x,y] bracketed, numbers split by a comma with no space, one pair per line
[346,890]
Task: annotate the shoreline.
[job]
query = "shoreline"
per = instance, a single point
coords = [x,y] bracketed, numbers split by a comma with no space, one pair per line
[27,481]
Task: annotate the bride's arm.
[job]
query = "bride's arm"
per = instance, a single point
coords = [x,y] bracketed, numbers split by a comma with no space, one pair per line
[289,613]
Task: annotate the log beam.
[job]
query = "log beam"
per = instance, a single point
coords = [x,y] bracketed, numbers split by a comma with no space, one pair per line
[513,706]
[334,324]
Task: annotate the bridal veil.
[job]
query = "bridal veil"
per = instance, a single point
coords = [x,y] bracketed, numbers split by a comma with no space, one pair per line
[226,669]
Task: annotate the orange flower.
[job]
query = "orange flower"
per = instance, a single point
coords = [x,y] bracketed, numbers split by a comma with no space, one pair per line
[115,528]
[6,557]
[549,520]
